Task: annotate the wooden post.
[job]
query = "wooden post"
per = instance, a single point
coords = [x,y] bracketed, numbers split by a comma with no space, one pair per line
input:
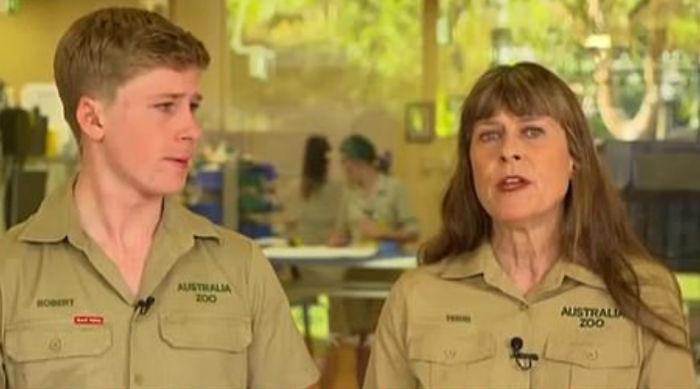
[431,11]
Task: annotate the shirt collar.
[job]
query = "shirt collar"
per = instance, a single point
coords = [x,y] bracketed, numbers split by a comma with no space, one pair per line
[482,261]
[57,219]
[184,223]
[468,264]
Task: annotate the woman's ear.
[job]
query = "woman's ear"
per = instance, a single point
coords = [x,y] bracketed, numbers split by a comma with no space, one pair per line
[89,115]
[572,164]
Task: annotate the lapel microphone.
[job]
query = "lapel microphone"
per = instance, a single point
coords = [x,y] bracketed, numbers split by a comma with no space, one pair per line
[523,360]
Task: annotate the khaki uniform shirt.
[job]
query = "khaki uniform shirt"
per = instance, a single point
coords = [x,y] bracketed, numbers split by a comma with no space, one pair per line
[389,206]
[68,319]
[450,324]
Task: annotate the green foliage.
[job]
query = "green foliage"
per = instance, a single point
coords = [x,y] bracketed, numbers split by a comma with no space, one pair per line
[379,40]
[684,30]
[553,32]
[382,36]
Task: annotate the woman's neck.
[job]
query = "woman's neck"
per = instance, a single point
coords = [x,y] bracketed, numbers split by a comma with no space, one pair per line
[368,180]
[527,252]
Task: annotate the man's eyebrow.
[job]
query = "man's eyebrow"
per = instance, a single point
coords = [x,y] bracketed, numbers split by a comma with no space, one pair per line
[197,97]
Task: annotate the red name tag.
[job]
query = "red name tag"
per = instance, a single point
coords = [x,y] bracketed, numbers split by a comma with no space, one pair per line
[88,320]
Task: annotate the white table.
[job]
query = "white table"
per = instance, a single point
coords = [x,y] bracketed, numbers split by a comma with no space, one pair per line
[305,290]
[366,257]
[363,257]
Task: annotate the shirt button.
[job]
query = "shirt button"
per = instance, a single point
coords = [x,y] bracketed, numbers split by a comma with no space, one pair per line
[55,345]
[592,355]
[524,307]
[138,379]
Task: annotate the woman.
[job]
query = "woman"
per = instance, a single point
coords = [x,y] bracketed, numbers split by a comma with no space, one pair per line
[536,279]
[376,210]
[376,206]
[310,210]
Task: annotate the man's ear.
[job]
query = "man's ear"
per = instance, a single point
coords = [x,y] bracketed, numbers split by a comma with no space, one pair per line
[90,116]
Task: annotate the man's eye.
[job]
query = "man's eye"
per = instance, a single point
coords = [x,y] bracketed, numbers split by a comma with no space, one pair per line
[194,106]
[165,107]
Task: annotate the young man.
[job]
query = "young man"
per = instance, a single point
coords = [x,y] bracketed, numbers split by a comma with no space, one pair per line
[113,285]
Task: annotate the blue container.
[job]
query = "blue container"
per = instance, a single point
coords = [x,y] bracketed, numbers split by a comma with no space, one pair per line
[213,212]
[213,180]
[254,230]
[389,248]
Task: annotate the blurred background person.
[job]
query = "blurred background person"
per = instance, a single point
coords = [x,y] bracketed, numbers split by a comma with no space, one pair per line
[376,210]
[376,207]
[310,208]
[311,203]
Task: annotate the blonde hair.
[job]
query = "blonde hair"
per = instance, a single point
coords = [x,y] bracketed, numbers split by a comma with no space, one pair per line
[106,48]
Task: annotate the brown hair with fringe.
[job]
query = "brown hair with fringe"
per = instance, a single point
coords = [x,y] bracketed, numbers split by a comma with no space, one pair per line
[104,49]
[595,229]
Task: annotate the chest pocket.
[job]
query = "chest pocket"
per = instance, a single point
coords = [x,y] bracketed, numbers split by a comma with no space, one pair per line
[594,363]
[224,333]
[215,346]
[50,354]
[441,360]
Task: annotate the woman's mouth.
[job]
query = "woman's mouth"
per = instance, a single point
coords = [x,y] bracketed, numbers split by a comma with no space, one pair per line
[512,183]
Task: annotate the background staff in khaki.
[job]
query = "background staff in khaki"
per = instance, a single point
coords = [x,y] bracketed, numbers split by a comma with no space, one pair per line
[536,279]
[375,210]
[375,205]
[113,285]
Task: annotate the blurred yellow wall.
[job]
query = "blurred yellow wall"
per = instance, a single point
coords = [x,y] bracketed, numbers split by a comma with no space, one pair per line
[28,38]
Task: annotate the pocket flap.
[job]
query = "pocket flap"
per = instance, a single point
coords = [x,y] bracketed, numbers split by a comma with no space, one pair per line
[41,341]
[185,330]
[445,349]
[591,355]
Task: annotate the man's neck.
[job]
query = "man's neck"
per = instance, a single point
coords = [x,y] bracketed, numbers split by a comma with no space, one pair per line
[108,212]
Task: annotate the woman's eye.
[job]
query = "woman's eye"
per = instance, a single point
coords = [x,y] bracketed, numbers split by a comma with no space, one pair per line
[489,136]
[533,132]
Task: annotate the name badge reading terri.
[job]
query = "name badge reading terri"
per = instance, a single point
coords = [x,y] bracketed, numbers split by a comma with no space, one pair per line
[458,318]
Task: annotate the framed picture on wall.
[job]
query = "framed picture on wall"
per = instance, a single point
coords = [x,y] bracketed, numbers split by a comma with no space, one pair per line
[419,122]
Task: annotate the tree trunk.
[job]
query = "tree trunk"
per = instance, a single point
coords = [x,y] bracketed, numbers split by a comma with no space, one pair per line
[642,124]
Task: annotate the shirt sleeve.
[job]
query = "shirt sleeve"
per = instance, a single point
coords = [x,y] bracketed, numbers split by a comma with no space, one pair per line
[277,357]
[667,366]
[388,366]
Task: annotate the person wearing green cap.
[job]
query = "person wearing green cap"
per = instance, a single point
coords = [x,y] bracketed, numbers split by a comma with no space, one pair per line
[375,210]
[376,206]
